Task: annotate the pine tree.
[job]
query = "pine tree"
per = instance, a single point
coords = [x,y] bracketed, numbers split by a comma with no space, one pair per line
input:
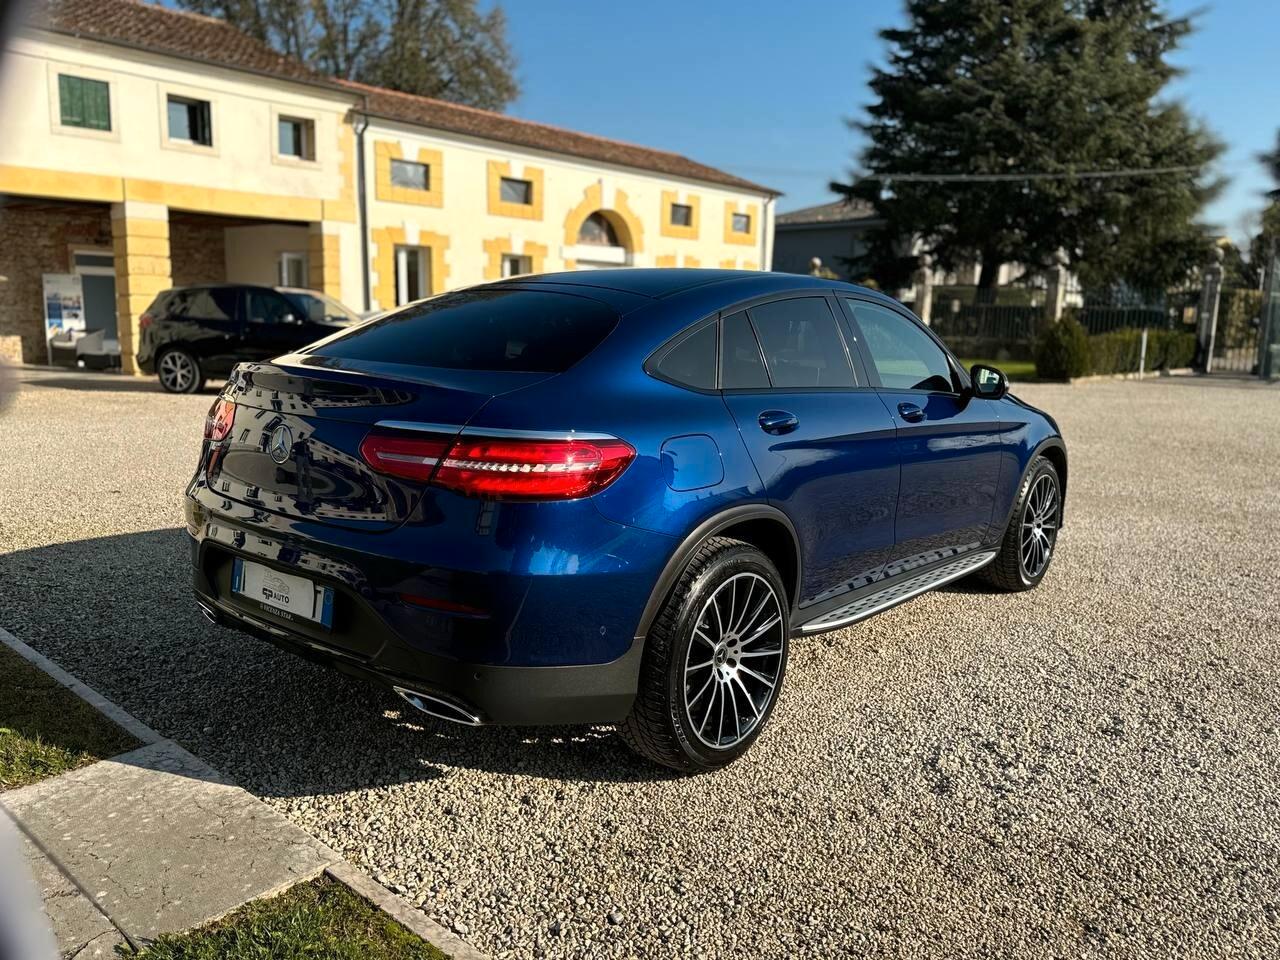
[1035,86]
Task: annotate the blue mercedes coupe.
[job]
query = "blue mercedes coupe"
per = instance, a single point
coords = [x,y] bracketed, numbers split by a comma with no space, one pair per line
[612,497]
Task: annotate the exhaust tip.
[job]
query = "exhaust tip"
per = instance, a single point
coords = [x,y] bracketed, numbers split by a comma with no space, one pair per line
[439,708]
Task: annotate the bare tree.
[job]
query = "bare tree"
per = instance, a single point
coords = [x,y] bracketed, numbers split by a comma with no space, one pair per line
[437,48]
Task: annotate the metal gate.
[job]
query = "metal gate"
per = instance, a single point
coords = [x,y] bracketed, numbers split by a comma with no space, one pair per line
[1239,327]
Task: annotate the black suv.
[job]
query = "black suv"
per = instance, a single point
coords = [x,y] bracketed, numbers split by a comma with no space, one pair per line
[191,333]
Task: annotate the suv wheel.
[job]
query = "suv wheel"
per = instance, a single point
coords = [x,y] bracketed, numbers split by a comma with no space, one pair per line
[180,372]
[714,660]
[1027,548]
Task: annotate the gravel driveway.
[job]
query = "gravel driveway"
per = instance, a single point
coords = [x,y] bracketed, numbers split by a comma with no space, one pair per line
[1090,769]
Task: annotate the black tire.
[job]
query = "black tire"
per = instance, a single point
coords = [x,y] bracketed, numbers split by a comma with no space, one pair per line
[179,371]
[661,726]
[1010,569]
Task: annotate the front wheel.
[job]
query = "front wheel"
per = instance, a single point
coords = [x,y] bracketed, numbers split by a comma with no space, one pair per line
[713,661]
[179,372]
[1027,548]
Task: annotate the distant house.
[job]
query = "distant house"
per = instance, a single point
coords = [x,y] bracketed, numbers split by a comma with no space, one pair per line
[833,232]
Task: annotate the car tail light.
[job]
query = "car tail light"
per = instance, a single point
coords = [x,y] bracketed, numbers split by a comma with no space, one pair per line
[145,321]
[218,421]
[413,458]
[503,469]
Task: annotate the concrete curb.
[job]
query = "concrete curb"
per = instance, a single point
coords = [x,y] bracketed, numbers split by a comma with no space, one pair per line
[1132,375]
[120,717]
[340,870]
[398,909]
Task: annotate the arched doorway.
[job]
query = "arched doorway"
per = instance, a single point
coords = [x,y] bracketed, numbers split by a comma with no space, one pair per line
[603,241]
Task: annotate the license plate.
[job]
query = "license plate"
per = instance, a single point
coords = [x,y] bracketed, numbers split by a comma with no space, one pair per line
[283,594]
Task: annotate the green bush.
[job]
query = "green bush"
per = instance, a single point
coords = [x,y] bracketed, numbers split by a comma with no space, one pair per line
[1065,350]
[1062,351]
[1116,352]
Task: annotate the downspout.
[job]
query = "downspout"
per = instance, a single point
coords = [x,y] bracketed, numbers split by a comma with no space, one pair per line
[363,125]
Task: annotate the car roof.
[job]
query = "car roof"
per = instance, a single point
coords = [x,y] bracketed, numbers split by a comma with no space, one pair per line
[632,286]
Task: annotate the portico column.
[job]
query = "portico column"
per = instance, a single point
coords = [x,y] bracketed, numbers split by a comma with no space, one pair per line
[140,238]
[324,259]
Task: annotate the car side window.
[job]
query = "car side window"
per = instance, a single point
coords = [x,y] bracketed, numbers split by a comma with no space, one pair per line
[692,361]
[905,357]
[205,303]
[268,307]
[802,344]
[741,366]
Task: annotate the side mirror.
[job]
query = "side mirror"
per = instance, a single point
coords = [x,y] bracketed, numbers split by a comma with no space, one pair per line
[989,383]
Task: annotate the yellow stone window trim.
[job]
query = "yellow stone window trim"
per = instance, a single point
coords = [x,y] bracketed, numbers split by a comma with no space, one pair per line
[384,151]
[499,247]
[626,224]
[665,260]
[668,228]
[692,262]
[498,169]
[752,210]
[385,241]
[729,264]
[344,208]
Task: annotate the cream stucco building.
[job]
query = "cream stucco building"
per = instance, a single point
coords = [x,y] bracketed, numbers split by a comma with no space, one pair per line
[148,148]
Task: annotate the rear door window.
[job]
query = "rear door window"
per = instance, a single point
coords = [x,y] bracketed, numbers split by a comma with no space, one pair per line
[499,330]
[204,303]
[267,306]
[802,345]
[741,366]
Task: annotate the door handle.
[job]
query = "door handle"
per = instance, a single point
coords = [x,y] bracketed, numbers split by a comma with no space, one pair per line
[778,421]
[910,412]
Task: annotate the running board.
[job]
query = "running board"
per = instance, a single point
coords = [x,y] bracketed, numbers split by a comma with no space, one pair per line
[890,596]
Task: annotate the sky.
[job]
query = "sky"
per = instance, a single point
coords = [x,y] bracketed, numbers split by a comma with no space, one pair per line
[763,89]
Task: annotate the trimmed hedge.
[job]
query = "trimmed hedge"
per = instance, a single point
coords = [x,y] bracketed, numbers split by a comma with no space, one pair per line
[1062,351]
[1065,351]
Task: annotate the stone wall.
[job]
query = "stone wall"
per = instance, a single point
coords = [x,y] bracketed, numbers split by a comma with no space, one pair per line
[36,239]
[198,251]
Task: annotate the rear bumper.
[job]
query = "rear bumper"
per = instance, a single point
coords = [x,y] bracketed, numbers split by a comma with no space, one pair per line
[531,643]
[590,693]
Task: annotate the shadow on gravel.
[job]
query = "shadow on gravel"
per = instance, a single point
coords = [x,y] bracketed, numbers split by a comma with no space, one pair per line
[117,612]
[110,382]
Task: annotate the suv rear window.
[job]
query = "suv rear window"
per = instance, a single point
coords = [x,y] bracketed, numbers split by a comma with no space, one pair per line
[514,330]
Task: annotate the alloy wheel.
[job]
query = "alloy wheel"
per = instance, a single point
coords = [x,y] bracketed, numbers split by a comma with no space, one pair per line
[177,371]
[734,661]
[1039,526]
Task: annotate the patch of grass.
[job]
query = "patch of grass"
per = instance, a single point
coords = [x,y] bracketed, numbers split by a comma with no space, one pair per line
[1013,369]
[318,920]
[45,729]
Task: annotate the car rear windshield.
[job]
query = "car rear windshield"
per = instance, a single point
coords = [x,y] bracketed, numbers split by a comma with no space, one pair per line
[515,330]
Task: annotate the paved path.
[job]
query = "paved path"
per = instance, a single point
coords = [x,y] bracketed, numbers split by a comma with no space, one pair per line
[156,841]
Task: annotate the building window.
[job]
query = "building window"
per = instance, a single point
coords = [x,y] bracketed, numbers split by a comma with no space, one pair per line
[742,223]
[413,274]
[517,191]
[414,176]
[681,215]
[514,265]
[597,231]
[84,103]
[297,138]
[190,120]
[293,270]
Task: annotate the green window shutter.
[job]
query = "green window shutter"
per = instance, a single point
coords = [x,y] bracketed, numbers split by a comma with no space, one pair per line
[84,103]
